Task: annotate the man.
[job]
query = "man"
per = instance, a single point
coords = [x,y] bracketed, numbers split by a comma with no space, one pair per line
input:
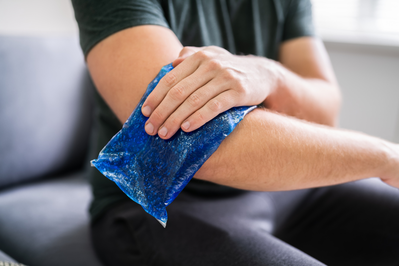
[289,144]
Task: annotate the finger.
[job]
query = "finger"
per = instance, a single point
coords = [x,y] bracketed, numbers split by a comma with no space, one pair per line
[193,103]
[166,83]
[184,53]
[179,60]
[210,110]
[174,98]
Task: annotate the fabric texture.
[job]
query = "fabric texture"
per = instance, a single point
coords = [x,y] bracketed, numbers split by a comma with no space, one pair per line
[5,258]
[2,263]
[44,86]
[345,225]
[240,26]
[46,223]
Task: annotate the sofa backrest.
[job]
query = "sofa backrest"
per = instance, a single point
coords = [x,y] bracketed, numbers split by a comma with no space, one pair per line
[45,107]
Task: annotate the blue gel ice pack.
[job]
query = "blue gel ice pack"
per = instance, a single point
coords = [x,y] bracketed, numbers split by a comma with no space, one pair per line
[153,171]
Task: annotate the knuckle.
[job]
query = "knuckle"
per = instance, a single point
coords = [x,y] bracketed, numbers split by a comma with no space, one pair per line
[194,100]
[214,64]
[157,115]
[170,79]
[177,93]
[217,49]
[200,118]
[185,49]
[234,80]
[239,86]
[202,55]
[173,122]
[189,49]
[215,106]
[228,75]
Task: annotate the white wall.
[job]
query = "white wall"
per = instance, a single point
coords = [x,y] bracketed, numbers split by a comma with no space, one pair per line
[368,75]
[369,80]
[37,17]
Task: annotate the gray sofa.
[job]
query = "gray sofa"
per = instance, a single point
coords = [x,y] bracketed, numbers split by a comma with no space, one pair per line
[45,123]
[5,258]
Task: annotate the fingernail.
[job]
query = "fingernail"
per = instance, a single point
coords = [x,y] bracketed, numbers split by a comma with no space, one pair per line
[163,131]
[146,110]
[149,128]
[185,125]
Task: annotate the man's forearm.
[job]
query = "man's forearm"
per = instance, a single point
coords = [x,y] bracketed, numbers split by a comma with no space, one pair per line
[306,87]
[310,99]
[268,151]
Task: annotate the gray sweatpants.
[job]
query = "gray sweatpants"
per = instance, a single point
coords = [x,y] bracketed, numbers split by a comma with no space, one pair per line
[350,224]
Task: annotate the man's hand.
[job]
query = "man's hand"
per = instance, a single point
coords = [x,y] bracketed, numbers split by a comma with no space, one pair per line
[205,83]
[209,80]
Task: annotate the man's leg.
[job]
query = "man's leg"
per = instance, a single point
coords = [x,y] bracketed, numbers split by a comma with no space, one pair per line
[218,230]
[350,224]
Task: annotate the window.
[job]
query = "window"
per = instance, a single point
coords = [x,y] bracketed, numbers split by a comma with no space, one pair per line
[359,21]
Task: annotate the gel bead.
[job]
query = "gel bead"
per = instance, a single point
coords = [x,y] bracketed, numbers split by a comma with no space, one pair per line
[153,171]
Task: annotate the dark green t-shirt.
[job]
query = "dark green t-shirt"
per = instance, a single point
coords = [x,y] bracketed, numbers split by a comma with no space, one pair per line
[241,26]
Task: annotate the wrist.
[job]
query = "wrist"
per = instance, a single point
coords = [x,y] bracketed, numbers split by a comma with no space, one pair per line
[280,98]
[273,73]
[390,169]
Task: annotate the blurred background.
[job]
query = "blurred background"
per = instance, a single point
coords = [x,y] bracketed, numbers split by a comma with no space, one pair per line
[361,37]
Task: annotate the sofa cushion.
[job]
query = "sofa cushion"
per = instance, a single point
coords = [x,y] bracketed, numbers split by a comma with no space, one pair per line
[44,106]
[46,223]
[5,258]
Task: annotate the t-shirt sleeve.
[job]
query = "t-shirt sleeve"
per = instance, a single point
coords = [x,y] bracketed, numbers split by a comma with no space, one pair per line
[98,19]
[298,20]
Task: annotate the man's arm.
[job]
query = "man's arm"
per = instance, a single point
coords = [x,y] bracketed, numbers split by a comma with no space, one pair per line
[124,64]
[266,151]
[307,87]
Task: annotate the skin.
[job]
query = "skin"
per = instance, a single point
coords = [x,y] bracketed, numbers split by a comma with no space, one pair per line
[270,149]
[208,81]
